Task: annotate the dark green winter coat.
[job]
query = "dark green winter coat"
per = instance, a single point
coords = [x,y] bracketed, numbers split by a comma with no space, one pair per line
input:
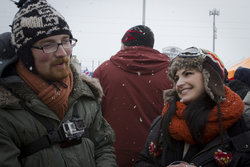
[19,127]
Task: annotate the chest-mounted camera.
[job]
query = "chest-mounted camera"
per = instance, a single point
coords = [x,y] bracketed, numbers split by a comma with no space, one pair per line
[73,129]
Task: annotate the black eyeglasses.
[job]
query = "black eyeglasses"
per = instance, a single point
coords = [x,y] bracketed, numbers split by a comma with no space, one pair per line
[52,47]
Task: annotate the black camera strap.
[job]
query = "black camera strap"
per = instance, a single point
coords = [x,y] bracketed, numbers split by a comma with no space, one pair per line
[54,135]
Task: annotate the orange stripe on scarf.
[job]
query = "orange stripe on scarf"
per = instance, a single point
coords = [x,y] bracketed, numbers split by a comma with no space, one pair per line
[56,100]
[231,110]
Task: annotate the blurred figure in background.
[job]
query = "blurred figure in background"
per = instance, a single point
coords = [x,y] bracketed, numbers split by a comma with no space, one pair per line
[240,82]
[171,51]
[241,85]
[243,74]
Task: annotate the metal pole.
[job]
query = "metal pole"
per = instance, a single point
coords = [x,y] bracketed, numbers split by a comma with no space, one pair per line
[143,12]
[214,34]
[214,12]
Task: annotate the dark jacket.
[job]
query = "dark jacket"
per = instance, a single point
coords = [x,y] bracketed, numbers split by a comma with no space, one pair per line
[239,87]
[241,82]
[247,102]
[133,82]
[242,74]
[237,140]
[19,126]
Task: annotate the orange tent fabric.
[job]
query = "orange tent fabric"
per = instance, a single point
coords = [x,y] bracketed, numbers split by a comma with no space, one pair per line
[231,70]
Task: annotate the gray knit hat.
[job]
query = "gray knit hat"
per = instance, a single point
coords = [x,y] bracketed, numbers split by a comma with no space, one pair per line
[207,63]
[35,20]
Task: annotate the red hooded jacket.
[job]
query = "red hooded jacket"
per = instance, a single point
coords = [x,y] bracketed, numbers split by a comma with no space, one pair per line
[133,82]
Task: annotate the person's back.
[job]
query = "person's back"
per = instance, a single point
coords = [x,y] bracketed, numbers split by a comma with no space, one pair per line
[133,81]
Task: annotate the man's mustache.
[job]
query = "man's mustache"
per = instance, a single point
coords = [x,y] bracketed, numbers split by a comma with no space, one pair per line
[61,61]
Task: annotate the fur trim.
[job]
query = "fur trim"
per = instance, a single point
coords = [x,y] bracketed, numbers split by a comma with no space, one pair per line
[206,77]
[94,85]
[179,63]
[168,95]
[7,98]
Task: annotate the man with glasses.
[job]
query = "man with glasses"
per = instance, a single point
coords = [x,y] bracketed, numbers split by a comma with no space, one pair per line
[49,114]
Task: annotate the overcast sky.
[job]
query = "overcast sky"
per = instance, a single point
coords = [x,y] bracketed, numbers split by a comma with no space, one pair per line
[100,24]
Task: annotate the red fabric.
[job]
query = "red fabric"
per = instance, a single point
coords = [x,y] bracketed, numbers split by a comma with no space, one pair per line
[133,82]
[231,110]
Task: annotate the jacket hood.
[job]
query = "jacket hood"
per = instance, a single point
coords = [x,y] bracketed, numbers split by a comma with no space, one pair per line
[140,60]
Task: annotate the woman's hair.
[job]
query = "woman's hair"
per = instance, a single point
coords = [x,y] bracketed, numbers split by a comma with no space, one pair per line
[165,122]
[196,117]
[197,114]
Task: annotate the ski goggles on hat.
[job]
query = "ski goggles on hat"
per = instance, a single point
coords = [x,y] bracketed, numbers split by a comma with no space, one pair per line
[208,56]
[190,53]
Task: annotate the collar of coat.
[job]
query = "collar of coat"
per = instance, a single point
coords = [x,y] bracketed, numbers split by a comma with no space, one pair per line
[83,86]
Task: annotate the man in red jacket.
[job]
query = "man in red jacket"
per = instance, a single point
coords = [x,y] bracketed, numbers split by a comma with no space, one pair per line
[133,81]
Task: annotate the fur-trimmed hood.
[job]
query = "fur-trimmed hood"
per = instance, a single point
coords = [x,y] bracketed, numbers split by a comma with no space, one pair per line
[94,85]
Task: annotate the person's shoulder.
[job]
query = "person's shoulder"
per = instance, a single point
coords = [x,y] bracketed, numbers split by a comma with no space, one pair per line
[247,98]
[156,121]
[240,132]
[104,65]
[239,87]
[103,68]
[7,98]
[246,117]
[94,85]
[241,70]
[5,40]
[6,48]
[5,36]
[242,74]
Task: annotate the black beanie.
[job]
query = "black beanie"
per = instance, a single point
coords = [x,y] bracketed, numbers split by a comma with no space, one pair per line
[35,20]
[139,35]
